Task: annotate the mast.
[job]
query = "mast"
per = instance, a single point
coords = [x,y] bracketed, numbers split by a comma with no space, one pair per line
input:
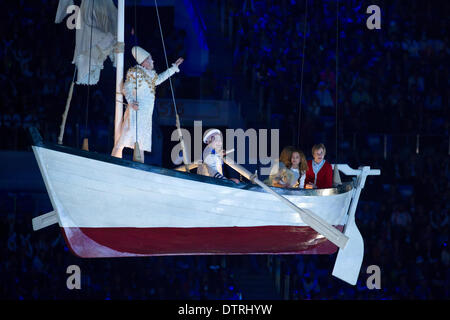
[119,68]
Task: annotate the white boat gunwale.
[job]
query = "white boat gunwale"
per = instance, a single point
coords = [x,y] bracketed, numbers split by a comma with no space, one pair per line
[38,142]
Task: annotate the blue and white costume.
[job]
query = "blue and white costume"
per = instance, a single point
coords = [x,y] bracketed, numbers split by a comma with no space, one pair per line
[212,164]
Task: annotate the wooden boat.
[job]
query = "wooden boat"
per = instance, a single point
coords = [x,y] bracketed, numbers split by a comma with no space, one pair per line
[111,207]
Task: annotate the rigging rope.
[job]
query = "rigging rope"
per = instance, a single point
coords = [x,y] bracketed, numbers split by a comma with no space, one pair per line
[135,43]
[89,74]
[336,86]
[177,122]
[165,56]
[301,77]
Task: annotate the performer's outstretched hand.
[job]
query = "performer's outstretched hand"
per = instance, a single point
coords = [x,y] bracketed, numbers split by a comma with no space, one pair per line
[179,61]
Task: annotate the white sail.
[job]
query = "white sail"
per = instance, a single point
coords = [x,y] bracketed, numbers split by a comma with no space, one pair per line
[63,10]
[95,38]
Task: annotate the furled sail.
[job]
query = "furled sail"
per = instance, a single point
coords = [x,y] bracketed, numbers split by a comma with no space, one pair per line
[98,25]
[63,10]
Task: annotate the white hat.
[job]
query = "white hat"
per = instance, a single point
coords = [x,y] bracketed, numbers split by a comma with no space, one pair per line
[139,54]
[209,133]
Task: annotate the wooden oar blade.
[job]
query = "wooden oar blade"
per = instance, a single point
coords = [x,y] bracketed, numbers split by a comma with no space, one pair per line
[349,259]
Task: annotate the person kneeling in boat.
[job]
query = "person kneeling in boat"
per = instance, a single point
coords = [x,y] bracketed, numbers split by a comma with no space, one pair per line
[320,172]
[212,156]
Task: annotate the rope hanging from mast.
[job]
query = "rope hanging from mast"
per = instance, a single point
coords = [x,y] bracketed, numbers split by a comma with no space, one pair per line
[135,43]
[185,159]
[85,140]
[137,151]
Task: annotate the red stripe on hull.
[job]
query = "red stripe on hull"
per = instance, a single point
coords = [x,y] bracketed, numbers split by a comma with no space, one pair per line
[120,242]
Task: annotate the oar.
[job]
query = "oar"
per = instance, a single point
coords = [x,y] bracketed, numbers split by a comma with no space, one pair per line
[64,116]
[311,219]
[195,164]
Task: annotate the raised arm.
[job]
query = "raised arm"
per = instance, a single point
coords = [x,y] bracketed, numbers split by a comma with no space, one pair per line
[169,72]
[166,74]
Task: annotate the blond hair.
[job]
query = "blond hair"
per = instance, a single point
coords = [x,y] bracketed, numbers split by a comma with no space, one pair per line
[318,147]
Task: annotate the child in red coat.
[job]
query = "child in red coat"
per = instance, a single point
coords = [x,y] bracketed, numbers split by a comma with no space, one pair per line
[320,172]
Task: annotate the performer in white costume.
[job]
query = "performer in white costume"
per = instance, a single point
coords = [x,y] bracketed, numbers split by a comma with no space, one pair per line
[141,101]
[212,156]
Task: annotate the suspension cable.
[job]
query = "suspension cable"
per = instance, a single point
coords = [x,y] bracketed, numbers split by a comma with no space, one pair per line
[301,76]
[136,91]
[337,69]
[89,74]
[185,160]
[165,56]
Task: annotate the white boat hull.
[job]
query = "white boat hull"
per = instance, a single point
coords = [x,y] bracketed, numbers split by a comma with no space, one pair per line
[107,210]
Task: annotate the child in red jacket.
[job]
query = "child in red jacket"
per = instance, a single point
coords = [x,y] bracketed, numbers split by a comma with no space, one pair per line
[320,172]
